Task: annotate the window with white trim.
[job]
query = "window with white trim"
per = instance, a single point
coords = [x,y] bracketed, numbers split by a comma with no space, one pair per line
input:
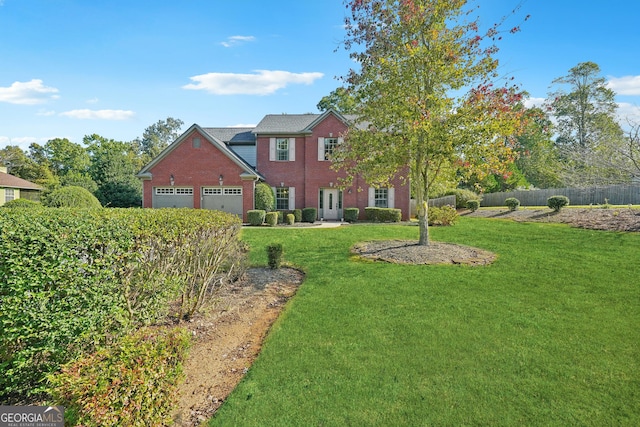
[282,198]
[381,198]
[9,194]
[282,148]
[329,145]
[163,191]
[184,191]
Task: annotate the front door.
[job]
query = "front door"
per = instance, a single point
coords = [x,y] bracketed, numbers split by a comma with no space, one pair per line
[330,209]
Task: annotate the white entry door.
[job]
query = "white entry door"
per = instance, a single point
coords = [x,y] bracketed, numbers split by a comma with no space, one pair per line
[330,209]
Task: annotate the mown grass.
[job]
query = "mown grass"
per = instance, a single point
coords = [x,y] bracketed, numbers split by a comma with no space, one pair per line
[547,335]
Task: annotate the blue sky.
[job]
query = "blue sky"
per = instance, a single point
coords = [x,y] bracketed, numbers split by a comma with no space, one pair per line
[70,68]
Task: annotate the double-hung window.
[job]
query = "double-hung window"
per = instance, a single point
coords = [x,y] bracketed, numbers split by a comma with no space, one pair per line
[329,145]
[282,148]
[282,198]
[381,198]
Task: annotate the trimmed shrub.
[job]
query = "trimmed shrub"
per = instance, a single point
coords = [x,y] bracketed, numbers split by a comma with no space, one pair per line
[297,213]
[351,214]
[309,214]
[473,205]
[274,253]
[445,215]
[557,202]
[134,380]
[462,197]
[281,215]
[71,197]
[383,214]
[100,273]
[271,218]
[256,216]
[264,198]
[22,204]
[512,203]
[291,219]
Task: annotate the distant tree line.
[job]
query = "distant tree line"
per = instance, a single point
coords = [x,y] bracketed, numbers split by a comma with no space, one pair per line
[105,167]
[574,139]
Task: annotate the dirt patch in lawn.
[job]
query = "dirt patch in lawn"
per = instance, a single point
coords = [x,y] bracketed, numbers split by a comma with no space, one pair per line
[227,338]
[613,219]
[409,252]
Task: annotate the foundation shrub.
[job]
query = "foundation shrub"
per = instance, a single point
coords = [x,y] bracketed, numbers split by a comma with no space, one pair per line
[291,219]
[264,198]
[256,216]
[351,214]
[271,219]
[297,213]
[22,204]
[383,214]
[309,214]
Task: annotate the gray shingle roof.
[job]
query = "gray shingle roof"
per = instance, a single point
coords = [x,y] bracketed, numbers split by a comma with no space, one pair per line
[285,123]
[233,136]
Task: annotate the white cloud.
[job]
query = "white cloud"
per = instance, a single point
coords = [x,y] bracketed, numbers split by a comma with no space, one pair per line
[628,113]
[99,114]
[237,40]
[264,82]
[46,113]
[534,102]
[627,85]
[28,93]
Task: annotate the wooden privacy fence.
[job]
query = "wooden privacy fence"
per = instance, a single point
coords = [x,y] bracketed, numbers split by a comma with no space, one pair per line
[439,202]
[613,194]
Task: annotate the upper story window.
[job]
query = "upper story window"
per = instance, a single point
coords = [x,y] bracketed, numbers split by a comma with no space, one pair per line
[326,147]
[282,149]
[329,145]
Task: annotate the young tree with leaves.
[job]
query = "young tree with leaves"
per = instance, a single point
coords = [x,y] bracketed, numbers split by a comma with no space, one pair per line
[415,57]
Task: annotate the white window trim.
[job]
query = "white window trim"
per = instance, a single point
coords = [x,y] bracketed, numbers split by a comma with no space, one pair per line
[273,150]
[322,148]
[391,197]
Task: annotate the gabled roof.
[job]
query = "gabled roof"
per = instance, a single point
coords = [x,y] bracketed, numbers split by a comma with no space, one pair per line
[247,170]
[10,181]
[282,124]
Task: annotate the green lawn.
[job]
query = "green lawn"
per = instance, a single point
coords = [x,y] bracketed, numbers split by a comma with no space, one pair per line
[547,335]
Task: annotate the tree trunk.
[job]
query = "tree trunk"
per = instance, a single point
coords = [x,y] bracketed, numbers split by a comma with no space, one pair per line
[423,223]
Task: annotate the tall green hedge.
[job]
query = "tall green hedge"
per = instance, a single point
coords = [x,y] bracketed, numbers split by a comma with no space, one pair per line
[72,280]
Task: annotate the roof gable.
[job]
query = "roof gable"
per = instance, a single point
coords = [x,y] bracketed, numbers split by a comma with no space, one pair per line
[219,144]
[294,123]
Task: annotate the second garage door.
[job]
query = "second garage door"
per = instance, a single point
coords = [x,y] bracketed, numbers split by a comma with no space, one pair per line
[226,199]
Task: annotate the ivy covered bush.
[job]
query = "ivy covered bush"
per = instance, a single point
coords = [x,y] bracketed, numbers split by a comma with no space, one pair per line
[74,280]
[557,202]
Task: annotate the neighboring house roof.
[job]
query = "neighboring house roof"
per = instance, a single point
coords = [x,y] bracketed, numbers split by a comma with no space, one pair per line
[145,173]
[10,181]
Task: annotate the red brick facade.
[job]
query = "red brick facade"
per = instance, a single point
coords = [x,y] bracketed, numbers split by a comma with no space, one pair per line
[201,165]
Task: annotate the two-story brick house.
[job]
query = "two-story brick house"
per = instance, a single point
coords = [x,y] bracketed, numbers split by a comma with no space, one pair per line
[217,168]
